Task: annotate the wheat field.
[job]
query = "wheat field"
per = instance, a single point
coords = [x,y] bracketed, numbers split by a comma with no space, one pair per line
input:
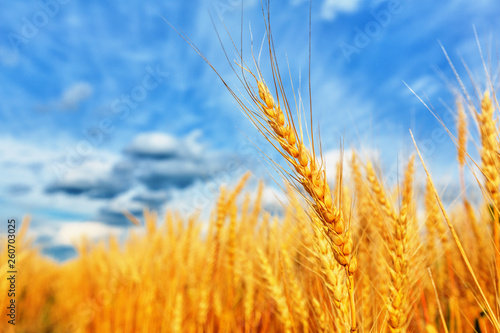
[349,255]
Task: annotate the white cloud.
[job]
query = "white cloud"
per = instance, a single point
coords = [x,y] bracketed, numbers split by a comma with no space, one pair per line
[29,166]
[162,145]
[96,177]
[426,84]
[331,8]
[90,172]
[76,94]
[154,144]
[332,158]
[22,153]
[273,199]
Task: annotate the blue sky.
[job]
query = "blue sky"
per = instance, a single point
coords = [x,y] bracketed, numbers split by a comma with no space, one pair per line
[105,108]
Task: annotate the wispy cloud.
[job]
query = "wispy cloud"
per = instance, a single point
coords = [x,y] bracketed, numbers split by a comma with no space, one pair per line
[75,94]
[331,8]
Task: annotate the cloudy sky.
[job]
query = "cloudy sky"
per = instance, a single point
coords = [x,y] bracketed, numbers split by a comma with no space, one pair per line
[105,108]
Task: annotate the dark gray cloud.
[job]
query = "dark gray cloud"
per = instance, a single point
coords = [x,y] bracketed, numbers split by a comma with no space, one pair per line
[145,175]
[164,162]
[95,179]
[152,199]
[60,252]
[179,173]
[106,189]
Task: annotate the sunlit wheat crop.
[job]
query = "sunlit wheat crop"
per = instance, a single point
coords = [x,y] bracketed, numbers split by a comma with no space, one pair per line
[350,254]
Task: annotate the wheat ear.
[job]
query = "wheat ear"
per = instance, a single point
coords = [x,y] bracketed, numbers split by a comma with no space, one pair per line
[400,289]
[279,129]
[490,313]
[461,133]
[490,167]
[275,291]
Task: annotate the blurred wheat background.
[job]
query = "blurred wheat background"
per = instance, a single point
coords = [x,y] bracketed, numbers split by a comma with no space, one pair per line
[252,271]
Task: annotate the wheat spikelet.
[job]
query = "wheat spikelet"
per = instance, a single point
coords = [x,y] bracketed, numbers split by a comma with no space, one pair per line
[319,313]
[380,194]
[490,159]
[461,133]
[239,187]
[249,296]
[483,262]
[254,217]
[299,301]
[489,153]
[363,209]
[311,175]
[367,214]
[399,298]
[432,220]
[206,288]
[366,304]
[275,291]
[231,250]
[399,275]
[331,272]
[177,317]
[407,195]
[221,214]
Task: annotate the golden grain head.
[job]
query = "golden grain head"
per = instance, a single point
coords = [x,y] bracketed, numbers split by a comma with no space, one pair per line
[330,263]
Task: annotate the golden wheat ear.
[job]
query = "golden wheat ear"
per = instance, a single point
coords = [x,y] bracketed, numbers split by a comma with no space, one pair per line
[483,300]
[269,111]
[307,173]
